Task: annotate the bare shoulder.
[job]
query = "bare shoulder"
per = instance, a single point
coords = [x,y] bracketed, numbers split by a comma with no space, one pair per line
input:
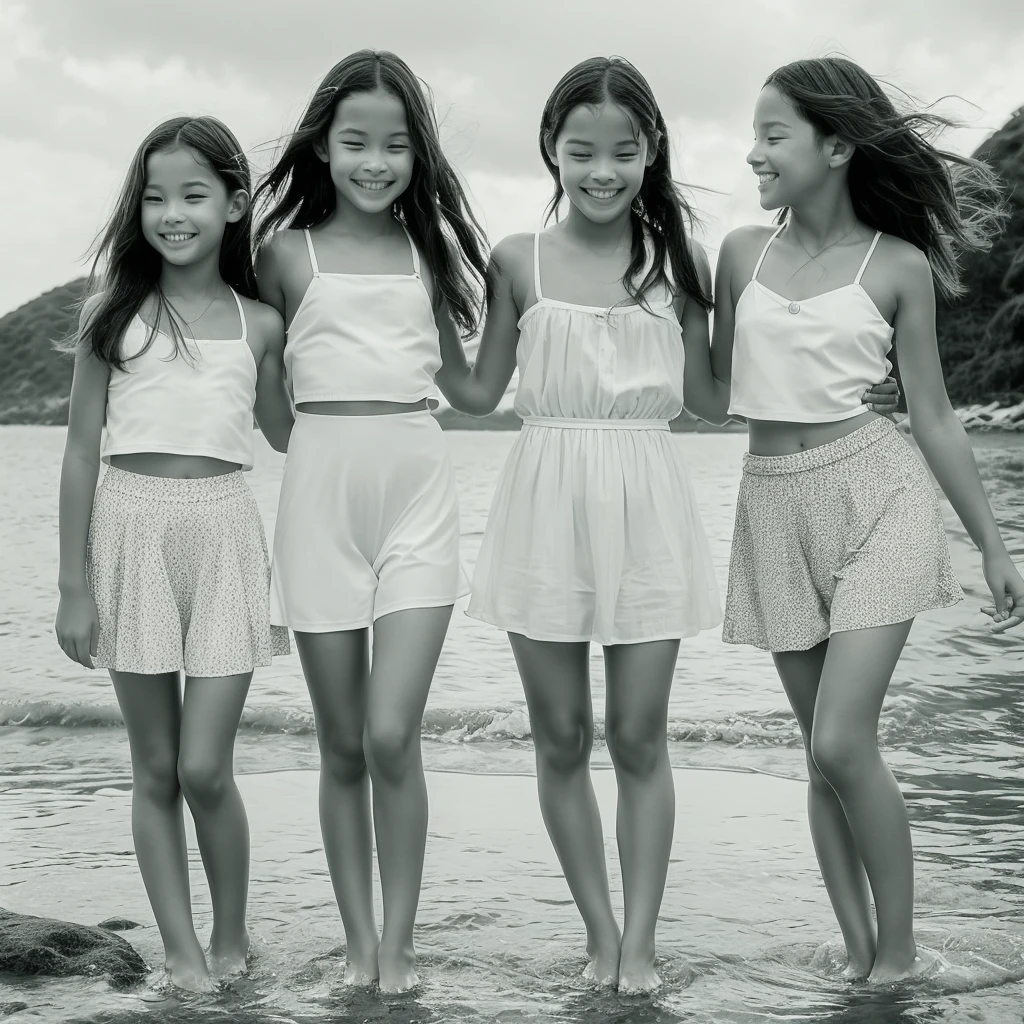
[700,259]
[747,241]
[903,258]
[513,255]
[263,321]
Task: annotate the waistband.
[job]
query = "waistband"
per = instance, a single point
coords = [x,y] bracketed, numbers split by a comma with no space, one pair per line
[572,423]
[823,454]
[169,488]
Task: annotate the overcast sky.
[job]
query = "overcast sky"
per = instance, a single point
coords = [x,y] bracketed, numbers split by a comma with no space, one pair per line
[84,80]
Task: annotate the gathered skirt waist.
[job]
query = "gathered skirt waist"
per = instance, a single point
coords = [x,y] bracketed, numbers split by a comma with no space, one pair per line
[572,423]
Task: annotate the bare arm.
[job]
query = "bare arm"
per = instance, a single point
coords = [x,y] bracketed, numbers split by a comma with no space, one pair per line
[268,275]
[703,394]
[273,407]
[77,625]
[477,390]
[940,435]
[725,318]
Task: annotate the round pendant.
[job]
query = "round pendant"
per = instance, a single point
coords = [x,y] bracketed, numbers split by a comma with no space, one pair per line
[794,307]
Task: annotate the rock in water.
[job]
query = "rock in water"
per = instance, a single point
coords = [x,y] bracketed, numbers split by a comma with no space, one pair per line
[43,945]
[118,924]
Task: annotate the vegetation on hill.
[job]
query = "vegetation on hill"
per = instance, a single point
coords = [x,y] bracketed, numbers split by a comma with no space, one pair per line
[981,337]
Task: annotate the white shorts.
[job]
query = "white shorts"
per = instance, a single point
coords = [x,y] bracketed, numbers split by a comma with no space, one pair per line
[368,522]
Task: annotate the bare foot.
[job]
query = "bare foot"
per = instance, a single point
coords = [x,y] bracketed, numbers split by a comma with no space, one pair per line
[924,964]
[229,960]
[603,969]
[856,970]
[361,970]
[189,977]
[397,970]
[637,975]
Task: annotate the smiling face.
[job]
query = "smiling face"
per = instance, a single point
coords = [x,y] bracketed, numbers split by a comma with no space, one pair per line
[185,206]
[789,158]
[601,158]
[369,151]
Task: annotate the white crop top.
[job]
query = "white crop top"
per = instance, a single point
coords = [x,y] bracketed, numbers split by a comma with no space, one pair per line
[807,361]
[194,403]
[363,337]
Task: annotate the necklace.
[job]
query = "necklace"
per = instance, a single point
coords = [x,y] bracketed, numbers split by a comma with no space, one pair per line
[794,306]
[189,323]
[811,258]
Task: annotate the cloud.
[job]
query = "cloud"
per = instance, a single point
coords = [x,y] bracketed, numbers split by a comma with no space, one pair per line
[84,82]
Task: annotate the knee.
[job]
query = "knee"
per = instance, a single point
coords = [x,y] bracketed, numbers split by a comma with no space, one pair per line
[155,776]
[837,755]
[342,757]
[635,748]
[203,779]
[391,750]
[564,746]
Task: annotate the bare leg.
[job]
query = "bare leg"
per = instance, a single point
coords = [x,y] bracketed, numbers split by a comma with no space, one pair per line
[639,679]
[336,667]
[150,706]
[406,646]
[556,678]
[841,868]
[210,714]
[844,745]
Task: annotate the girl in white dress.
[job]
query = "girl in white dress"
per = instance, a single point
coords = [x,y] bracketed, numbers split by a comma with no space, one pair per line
[594,532]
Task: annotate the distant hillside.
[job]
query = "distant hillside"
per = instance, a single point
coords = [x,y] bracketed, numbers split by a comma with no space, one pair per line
[34,379]
[981,338]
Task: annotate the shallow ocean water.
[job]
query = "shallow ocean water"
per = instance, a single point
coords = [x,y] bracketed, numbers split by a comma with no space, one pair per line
[747,932]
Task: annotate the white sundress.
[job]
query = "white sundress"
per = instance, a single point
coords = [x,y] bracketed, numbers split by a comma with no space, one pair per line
[594,533]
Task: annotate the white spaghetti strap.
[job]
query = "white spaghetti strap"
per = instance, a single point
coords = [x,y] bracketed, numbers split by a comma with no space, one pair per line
[241,315]
[764,252]
[312,253]
[871,249]
[415,252]
[536,267]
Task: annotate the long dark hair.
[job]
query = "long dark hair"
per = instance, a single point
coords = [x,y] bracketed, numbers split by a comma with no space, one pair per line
[299,193]
[660,205]
[900,182]
[131,266]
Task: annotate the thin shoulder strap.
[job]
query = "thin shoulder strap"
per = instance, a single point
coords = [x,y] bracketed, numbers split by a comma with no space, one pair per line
[241,315]
[312,253]
[415,252]
[864,265]
[536,266]
[764,252]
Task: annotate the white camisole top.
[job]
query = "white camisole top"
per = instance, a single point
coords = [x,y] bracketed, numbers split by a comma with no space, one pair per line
[807,361]
[198,402]
[363,337]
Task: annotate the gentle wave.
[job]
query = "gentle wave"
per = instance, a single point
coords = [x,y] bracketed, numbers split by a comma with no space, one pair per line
[901,724]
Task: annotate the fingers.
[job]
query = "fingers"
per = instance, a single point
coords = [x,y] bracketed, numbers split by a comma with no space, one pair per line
[1015,619]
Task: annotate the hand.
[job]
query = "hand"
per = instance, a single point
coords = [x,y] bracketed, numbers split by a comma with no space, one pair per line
[1007,588]
[78,627]
[883,398]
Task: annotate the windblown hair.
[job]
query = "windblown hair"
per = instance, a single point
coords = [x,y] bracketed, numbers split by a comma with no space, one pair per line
[660,205]
[131,266]
[298,191]
[900,182]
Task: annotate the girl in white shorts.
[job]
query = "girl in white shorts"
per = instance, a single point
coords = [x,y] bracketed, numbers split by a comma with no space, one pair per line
[164,569]
[368,525]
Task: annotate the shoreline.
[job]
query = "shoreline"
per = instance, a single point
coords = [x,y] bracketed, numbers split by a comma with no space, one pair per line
[977,417]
